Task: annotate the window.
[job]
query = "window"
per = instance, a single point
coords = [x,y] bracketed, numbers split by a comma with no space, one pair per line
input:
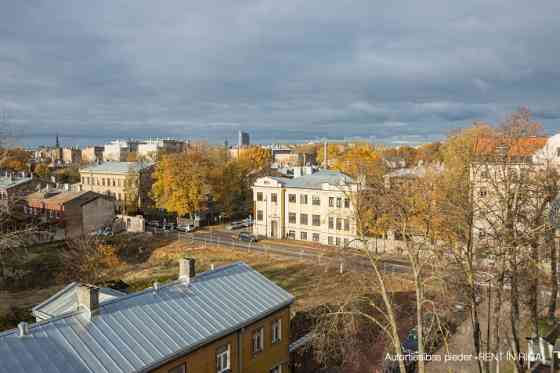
[303,199]
[303,236]
[316,220]
[316,237]
[331,222]
[339,202]
[277,330]
[338,241]
[83,180]
[259,196]
[346,242]
[347,224]
[273,197]
[292,218]
[119,182]
[103,181]
[331,201]
[276,369]
[303,219]
[316,201]
[558,152]
[482,192]
[347,203]
[178,369]
[258,340]
[222,359]
[291,235]
[114,183]
[292,198]
[484,174]
[259,215]
[338,224]
[330,240]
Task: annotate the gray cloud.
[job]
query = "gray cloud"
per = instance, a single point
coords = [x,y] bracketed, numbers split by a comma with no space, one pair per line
[282,70]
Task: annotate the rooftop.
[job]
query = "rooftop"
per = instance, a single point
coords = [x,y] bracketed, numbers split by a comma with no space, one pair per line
[317,179]
[58,197]
[117,167]
[66,300]
[144,330]
[10,181]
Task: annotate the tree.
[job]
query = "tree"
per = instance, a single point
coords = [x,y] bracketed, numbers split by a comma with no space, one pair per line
[256,158]
[42,170]
[15,160]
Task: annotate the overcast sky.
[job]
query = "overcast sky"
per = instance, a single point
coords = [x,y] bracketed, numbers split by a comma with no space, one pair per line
[283,70]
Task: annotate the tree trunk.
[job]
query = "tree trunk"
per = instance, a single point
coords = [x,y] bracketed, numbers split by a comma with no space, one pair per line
[550,242]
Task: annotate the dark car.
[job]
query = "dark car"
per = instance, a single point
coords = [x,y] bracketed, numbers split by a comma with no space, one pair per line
[245,236]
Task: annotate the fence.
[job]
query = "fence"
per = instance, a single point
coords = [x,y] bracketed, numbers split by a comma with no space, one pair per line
[354,263]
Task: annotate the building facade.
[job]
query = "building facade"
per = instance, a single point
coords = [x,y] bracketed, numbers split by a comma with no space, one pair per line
[92,154]
[243,139]
[118,180]
[71,155]
[14,188]
[70,214]
[316,207]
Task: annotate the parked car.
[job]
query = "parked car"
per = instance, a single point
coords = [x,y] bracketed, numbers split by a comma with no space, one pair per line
[246,236]
[154,223]
[236,225]
[104,232]
[247,222]
[169,227]
[185,228]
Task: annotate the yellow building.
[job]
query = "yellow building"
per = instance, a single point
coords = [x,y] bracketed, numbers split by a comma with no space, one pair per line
[229,319]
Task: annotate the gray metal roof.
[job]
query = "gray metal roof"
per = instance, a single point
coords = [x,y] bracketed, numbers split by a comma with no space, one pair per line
[117,167]
[66,300]
[10,182]
[317,179]
[141,331]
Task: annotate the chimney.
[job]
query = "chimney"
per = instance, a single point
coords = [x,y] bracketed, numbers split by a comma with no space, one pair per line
[23,329]
[88,297]
[186,269]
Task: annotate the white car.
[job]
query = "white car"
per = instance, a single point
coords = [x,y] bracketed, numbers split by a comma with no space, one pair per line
[186,228]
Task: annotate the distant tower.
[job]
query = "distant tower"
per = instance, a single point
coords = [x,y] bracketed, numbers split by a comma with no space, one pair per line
[243,139]
[57,142]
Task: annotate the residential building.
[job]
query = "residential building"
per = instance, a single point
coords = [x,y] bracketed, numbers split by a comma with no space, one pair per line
[93,154]
[14,188]
[117,179]
[118,150]
[316,207]
[229,319]
[243,139]
[70,214]
[403,176]
[71,155]
[149,149]
[287,157]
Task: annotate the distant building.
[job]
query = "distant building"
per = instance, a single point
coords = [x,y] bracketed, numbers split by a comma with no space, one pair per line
[93,154]
[243,139]
[116,151]
[70,214]
[149,149]
[110,178]
[316,207]
[231,319]
[71,155]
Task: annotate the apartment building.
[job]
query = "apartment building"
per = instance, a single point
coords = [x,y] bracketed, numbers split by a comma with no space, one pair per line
[149,149]
[14,188]
[112,178]
[70,214]
[93,154]
[230,319]
[316,207]
[71,155]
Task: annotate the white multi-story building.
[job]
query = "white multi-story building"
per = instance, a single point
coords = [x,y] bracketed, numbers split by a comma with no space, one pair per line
[316,207]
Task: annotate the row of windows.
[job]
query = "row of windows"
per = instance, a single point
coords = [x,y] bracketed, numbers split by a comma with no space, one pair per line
[223,353]
[304,219]
[86,180]
[37,211]
[332,240]
[339,202]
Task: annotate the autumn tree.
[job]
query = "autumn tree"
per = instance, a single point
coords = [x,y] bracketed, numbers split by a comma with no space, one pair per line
[88,259]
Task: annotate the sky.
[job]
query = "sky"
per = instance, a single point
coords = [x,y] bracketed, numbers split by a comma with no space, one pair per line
[291,70]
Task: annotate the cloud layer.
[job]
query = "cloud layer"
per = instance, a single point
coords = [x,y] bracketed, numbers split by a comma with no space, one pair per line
[290,70]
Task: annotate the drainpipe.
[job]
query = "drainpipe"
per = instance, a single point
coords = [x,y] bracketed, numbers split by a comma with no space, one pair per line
[240,350]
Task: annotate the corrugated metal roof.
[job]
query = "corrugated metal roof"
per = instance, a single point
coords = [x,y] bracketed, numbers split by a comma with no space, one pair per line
[66,300]
[317,179]
[118,167]
[10,182]
[141,331]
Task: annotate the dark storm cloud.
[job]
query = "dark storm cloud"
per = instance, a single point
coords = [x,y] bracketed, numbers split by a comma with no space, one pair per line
[396,71]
